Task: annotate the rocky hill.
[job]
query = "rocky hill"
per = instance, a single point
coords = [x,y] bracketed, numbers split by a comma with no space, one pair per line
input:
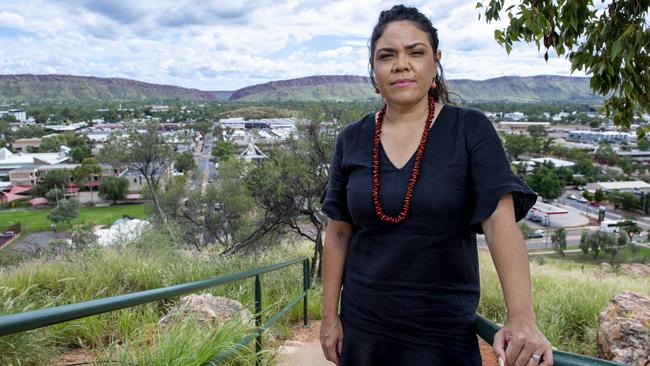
[30,88]
[535,89]
[510,88]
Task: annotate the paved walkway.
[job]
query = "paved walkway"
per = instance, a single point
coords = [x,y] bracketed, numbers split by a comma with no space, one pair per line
[304,349]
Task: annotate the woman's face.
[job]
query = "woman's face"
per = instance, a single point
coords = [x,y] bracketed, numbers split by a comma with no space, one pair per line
[403,63]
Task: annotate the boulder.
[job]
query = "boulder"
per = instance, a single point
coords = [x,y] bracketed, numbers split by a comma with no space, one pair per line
[624,329]
[635,269]
[207,309]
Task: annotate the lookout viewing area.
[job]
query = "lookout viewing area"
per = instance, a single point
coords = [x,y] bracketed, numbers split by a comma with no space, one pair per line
[296,353]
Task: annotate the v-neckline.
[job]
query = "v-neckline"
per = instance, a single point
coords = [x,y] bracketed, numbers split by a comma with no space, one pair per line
[412,157]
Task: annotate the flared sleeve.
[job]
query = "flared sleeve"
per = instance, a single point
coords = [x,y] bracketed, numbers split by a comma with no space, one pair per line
[491,175]
[335,199]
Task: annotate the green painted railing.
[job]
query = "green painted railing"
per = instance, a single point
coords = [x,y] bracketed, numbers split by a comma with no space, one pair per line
[20,322]
[486,330]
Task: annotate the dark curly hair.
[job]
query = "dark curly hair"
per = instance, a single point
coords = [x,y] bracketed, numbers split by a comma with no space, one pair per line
[398,13]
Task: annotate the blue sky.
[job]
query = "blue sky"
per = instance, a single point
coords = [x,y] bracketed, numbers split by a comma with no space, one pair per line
[227,45]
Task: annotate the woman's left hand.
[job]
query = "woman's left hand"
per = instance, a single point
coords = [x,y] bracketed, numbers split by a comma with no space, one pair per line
[520,343]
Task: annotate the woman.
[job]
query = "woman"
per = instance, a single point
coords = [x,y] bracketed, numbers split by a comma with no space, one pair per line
[408,190]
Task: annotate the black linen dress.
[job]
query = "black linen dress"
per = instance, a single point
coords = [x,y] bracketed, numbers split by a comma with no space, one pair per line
[410,290]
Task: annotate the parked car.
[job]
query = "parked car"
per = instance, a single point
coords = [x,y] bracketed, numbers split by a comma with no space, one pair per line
[8,234]
[594,203]
[572,197]
[581,199]
[536,234]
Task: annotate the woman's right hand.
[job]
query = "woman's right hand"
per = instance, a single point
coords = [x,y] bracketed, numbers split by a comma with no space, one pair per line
[331,338]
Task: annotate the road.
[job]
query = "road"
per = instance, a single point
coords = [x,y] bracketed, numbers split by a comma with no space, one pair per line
[573,233]
[206,171]
[610,214]
[572,238]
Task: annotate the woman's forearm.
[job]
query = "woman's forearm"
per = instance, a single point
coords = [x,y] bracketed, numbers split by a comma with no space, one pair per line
[510,257]
[337,238]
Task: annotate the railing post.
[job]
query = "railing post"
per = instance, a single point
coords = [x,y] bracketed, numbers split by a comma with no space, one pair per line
[258,319]
[305,288]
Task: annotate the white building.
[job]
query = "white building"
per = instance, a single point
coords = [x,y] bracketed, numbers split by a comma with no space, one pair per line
[558,163]
[514,116]
[159,108]
[235,123]
[519,127]
[66,128]
[10,161]
[597,136]
[18,114]
[634,186]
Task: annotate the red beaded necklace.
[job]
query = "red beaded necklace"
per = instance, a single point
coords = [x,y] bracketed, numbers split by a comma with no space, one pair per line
[414,173]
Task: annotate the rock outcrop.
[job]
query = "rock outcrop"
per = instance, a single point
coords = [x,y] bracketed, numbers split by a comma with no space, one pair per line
[624,329]
[635,269]
[207,309]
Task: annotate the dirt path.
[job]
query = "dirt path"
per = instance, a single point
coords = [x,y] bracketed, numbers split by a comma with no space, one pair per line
[304,349]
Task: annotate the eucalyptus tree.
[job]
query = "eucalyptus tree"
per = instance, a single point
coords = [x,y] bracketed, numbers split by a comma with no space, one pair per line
[608,41]
[143,149]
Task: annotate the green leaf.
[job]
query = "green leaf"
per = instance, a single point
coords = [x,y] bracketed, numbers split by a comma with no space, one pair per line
[498,35]
[617,48]
[479,5]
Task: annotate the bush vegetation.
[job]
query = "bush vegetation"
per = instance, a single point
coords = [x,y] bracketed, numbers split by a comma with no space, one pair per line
[567,299]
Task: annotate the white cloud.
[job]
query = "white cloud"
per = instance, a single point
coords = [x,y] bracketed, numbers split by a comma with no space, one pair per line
[227,45]
[8,19]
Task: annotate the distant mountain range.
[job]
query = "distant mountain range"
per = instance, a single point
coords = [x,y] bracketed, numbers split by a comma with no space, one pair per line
[533,89]
[31,88]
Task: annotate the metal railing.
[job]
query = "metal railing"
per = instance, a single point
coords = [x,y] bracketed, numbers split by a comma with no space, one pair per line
[486,330]
[20,322]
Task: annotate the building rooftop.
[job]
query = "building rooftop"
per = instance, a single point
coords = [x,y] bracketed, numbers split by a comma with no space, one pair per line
[64,128]
[9,160]
[626,185]
[558,163]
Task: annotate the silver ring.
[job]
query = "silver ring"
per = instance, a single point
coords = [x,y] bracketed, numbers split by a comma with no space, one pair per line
[535,357]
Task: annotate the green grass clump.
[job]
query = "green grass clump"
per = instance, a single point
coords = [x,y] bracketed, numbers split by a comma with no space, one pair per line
[132,336]
[567,298]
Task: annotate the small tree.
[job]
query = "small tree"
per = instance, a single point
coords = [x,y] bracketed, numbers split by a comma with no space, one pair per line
[223,150]
[82,236]
[630,201]
[88,168]
[606,242]
[184,162]
[599,195]
[545,181]
[558,238]
[594,245]
[67,211]
[622,239]
[144,150]
[114,188]
[54,178]
[54,195]
[630,227]
[585,240]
